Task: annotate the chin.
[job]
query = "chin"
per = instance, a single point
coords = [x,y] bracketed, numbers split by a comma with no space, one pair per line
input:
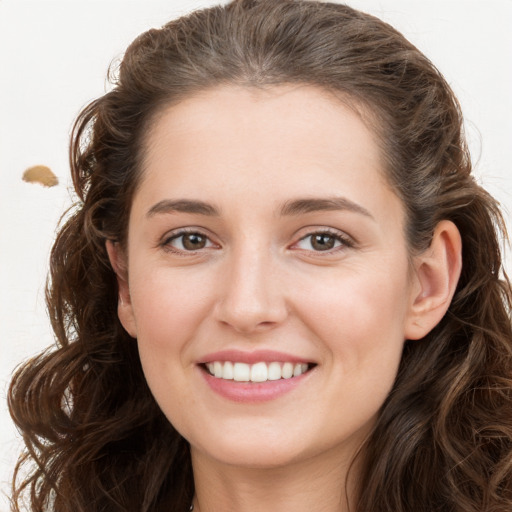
[250,450]
[253,457]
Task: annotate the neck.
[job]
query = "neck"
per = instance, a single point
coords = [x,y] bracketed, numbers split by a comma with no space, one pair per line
[311,485]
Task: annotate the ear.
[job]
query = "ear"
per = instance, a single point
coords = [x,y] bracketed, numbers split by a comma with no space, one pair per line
[117,259]
[436,275]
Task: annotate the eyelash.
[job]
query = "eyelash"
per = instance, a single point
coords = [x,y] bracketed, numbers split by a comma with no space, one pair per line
[342,240]
[166,243]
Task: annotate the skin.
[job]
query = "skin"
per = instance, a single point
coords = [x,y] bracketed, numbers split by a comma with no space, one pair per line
[259,283]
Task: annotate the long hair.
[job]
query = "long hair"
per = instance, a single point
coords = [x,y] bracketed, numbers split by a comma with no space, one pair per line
[95,437]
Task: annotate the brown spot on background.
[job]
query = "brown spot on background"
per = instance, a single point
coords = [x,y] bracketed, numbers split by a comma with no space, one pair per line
[40,174]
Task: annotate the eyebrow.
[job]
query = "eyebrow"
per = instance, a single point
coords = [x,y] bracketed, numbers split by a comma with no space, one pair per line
[290,208]
[309,205]
[183,206]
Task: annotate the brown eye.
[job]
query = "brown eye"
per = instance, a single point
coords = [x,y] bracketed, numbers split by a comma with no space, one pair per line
[193,241]
[322,242]
[188,242]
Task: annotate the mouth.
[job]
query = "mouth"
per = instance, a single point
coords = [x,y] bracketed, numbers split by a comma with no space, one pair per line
[257,372]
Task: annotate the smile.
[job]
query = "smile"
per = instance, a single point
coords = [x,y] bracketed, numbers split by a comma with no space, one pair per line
[257,372]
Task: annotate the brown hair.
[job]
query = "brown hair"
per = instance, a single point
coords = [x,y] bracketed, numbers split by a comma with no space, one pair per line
[443,439]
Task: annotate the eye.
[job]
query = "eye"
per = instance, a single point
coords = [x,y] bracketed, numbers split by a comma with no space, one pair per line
[323,242]
[187,241]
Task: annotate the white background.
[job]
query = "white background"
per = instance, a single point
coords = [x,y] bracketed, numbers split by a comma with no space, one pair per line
[53,60]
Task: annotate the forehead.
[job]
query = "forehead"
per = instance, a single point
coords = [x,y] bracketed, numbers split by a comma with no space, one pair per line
[279,141]
[285,110]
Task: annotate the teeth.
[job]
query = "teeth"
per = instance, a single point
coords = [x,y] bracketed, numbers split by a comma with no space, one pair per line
[241,372]
[217,369]
[258,372]
[228,371]
[298,369]
[274,371]
[287,370]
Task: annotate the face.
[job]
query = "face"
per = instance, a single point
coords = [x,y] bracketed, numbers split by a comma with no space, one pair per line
[265,248]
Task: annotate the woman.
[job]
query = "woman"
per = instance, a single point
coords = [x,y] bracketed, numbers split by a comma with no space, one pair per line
[281,289]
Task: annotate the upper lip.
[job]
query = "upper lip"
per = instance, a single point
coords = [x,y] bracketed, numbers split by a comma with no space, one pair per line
[256,356]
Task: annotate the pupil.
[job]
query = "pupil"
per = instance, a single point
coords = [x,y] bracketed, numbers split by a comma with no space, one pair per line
[323,242]
[194,241]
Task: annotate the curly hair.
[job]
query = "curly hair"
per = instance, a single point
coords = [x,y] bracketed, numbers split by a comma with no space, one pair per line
[95,438]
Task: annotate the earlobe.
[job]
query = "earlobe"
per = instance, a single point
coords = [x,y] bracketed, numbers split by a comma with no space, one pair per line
[437,273]
[124,308]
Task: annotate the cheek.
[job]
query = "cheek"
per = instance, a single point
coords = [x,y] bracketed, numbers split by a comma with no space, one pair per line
[168,304]
[360,319]
[169,310]
[359,324]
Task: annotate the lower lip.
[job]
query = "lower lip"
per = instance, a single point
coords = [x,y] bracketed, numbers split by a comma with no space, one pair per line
[248,392]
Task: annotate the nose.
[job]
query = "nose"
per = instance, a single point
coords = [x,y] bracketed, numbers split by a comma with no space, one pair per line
[252,297]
